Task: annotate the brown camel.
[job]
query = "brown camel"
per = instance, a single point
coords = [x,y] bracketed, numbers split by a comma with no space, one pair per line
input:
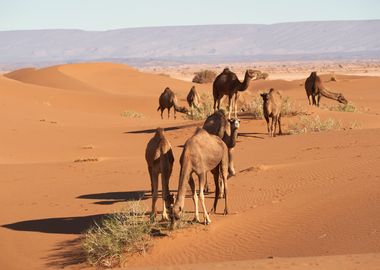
[168,100]
[227,129]
[227,83]
[272,103]
[159,158]
[202,152]
[193,98]
[315,88]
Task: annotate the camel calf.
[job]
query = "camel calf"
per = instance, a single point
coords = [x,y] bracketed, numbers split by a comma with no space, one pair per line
[159,158]
[193,98]
[272,103]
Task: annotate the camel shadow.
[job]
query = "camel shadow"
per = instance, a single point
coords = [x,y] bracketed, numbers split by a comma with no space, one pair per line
[251,135]
[108,198]
[153,130]
[61,225]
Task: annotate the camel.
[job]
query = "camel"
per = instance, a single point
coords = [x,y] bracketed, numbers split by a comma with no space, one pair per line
[193,98]
[226,129]
[314,88]
[227,83]
[272,102]
[168,100]
[202,152]
[159,158]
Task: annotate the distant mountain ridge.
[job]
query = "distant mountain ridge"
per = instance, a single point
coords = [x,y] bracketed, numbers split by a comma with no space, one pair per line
[195,44]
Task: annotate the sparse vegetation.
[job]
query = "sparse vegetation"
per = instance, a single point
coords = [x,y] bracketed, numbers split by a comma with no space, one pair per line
[263,76]
[313,124]
[118,235]
[289,108]
[205,108]
[204,76]
[132,114]
[349,107]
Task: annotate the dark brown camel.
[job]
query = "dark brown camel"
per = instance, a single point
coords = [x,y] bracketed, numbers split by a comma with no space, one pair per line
[193,98]
[227,83]
[202,153]
[168,100]
[315,88]
[272,103]
[159,158]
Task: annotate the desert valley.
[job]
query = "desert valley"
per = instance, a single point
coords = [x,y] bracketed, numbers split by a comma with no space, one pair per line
[73,139]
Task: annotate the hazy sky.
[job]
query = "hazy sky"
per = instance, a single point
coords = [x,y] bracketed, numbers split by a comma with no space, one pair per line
[111,14]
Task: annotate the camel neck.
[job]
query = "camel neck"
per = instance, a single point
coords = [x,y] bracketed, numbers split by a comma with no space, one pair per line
[244,85]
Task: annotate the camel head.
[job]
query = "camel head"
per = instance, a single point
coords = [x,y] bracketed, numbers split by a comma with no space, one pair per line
[174,211]
[252,73]
[341,99]
[235,123]
[313,74]
[265,97]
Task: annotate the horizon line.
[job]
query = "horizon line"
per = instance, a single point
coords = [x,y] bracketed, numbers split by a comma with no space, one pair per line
[189,25]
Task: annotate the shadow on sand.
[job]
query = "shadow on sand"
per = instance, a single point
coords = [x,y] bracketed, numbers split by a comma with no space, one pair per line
[66,253]
[153,130]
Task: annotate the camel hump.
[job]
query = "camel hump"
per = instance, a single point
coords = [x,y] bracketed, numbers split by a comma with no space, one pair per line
[226,69]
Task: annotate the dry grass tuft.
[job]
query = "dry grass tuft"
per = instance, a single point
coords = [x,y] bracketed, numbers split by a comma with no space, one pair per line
[118,235]
[132,114]
[313,124]
[204,109]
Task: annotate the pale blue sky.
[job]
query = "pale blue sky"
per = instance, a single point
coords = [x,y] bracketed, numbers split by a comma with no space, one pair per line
[112,14]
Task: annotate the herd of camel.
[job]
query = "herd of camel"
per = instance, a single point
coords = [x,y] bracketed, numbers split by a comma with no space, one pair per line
[210,148]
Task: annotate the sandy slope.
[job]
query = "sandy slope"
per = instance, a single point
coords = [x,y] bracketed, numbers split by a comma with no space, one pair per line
[305,195]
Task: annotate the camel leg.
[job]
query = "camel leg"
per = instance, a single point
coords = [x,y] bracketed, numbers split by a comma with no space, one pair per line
[206,185]
[175,117]
[267,120]
[224,171]
[168,112]
[215,173]
[272,126]
[202,197]
[215,103]
[235,105]
[275,126]
[231,167]
[221,188]
[313,98]
[229,106]
[154,186]
[165,194]
[318,99]
[195,198]
[162,111]
[309,99]
[279,125]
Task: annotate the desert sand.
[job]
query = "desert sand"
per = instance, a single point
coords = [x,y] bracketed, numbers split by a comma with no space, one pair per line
[297,202]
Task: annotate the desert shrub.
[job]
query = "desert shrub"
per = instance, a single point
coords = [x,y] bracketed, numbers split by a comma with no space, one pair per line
[204,109]
[333,78]
[132,114]
[313,124]
[349,107]
[255,108]
[291,108]
[288,108]
[204,76]
[119,234]
[264,76]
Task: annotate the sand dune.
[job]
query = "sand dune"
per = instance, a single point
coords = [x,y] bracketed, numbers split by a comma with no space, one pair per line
[306,200]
